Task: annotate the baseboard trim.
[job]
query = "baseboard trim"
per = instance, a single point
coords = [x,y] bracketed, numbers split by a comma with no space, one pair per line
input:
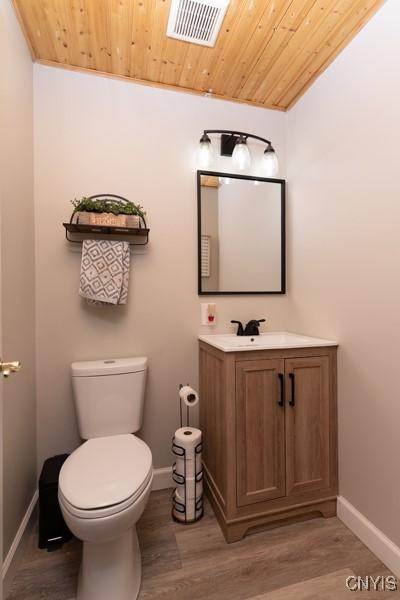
[162,479]
[9,564]
[370,535]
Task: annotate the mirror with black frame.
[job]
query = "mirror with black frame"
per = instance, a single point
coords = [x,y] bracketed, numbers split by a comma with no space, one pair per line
[241,234]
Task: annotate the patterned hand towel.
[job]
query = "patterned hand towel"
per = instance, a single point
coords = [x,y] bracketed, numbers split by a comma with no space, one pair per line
[104,272]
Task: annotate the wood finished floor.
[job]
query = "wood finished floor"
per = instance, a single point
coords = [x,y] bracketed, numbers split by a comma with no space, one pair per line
[308,560]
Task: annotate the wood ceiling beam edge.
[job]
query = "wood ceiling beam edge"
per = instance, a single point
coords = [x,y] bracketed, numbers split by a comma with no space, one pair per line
[335,53]
[156,84]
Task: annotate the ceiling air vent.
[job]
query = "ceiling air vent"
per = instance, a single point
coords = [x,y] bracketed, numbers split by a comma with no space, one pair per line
[196,21]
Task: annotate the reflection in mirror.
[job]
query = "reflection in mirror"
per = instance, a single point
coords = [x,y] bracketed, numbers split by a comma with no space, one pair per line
[241,234]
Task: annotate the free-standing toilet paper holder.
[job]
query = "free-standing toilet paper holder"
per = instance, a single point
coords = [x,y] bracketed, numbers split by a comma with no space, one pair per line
[180,451]
[181,507]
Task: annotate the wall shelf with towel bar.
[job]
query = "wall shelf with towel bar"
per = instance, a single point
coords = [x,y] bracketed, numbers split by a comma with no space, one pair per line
[105,231]
[85,230]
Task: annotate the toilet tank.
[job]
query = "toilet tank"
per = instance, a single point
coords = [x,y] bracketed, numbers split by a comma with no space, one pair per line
[109,395]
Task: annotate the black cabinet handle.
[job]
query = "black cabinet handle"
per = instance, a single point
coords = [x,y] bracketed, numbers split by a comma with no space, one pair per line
[281,401]
[292,400]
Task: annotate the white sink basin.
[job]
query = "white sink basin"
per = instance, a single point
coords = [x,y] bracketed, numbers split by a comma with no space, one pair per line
[228,342]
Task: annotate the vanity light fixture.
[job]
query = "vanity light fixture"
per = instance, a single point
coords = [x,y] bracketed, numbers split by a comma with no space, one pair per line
[234,143]
[206,152]
[241,154]
[270,163]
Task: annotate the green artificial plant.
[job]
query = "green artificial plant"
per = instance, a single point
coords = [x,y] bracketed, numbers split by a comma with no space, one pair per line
[97,205]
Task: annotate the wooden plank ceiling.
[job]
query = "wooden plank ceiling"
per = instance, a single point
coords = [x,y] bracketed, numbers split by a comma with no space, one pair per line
[267,54]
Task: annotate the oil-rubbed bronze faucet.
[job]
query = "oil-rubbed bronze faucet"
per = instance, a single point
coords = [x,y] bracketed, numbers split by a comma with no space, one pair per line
[252,327]
[240,330]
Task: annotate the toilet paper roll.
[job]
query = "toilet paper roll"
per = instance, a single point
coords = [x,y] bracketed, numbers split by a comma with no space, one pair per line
[190,509]
[189,396]
[193,465]
[187,438]
[190,515]
[190,491]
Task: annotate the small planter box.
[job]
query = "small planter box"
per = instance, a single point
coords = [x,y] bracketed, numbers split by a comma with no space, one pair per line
[107,219]
[82,218]
[133,221]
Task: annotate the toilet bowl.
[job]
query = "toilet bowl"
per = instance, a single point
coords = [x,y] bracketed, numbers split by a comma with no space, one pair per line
[103,489]
[104,485]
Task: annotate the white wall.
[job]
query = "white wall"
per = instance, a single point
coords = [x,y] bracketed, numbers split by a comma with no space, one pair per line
[93,135]
[17,270]
[344,220]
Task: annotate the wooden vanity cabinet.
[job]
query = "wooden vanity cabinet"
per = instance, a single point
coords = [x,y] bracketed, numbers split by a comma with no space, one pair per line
[269,422]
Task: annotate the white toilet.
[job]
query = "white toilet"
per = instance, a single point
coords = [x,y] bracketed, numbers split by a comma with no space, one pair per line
[104,485]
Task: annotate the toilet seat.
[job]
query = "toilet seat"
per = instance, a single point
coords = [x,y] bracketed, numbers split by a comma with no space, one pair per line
[105,476]
[99,513]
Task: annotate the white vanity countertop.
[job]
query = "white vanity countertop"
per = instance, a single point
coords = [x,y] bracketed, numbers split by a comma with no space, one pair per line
[228,342]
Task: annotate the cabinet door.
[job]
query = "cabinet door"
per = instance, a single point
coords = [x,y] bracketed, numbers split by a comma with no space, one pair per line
[308,426]
[260,426]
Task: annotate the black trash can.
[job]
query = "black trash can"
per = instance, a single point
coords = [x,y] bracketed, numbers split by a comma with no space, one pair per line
[53,531]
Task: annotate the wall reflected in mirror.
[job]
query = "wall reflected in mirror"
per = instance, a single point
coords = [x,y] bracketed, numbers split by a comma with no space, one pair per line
[241,241]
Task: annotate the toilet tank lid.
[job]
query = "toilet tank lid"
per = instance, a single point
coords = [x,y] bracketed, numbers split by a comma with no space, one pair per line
[109,366]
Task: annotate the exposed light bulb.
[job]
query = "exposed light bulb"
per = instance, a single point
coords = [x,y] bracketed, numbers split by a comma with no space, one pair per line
[270,162]
[206,153]
[241,154]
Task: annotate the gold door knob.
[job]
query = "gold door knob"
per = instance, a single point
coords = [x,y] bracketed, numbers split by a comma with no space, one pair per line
[6,368]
